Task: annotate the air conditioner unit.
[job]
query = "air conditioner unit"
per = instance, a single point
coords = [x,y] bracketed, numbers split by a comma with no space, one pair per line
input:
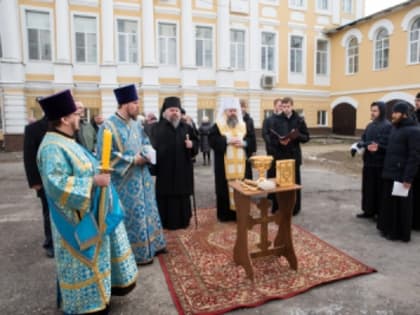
[267,81]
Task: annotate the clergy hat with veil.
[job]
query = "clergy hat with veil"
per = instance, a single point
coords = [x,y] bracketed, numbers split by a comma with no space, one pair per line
[58,105]
[170,101]
[229,103]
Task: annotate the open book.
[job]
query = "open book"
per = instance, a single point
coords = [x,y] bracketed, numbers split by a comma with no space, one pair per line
[292,135]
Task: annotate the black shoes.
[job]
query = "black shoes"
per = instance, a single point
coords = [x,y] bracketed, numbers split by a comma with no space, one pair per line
[49,252]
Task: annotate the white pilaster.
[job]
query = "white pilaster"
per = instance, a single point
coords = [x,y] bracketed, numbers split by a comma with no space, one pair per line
[254,110]
[14,113]
[108,67]
[109,104]
[149,70]
[187,37]
[62,31]
[107,21]
[224,76]
[148,32]
[9,23]
[254,49]
[223,35]
[151,103]
[360,9]
[189,103]
[336,8]
[63,72]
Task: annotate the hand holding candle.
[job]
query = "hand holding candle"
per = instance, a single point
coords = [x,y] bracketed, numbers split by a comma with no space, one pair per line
[106,150]
[188,142]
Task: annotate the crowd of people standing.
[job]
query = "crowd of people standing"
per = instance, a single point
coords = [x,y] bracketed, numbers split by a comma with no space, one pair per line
[102,222]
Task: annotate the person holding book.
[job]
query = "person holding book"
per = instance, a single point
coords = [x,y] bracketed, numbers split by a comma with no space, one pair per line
[401,163]
[287,133]
[131,156]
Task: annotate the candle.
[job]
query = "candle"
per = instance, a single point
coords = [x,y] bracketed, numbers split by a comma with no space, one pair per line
[106,149]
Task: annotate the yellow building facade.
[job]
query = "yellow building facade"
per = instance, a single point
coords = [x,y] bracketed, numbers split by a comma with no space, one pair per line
[374,58]
[201,51]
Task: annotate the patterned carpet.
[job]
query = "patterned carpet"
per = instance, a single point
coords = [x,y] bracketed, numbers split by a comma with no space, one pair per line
[203,279]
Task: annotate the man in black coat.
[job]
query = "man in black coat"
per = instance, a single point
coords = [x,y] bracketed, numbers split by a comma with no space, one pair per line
[176,144]
[401,164]
[251,147]
[34,133]
[416,182]
[374,142]
[289,148]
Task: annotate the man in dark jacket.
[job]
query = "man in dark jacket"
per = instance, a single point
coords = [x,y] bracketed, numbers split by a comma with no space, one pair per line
[401,165]
[251,147]
[289,148]
[34,133]
[416,182]
[374,141]
[266,134]
[176,144]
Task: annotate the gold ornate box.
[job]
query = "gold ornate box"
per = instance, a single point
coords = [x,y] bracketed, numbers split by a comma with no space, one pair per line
[285,173]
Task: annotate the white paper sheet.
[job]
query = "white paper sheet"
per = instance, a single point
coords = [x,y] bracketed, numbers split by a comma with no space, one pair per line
[149,153]
[399,190]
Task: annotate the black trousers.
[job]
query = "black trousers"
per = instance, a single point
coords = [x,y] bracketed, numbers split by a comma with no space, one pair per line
[48,242]
[298,181]
[395,219]
[372,183]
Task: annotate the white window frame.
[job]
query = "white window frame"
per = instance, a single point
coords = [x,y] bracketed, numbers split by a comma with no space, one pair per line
[212,45]
[50,12]
[410,42]
[348,57]
[319,121]
[166,64]
[73,28]
[295,51]
[382,51]
[275,52]
[293,77]
[117,47]
[292,5]
[344,6]
[245,49]
[327,53]
[322,79]
[321,9]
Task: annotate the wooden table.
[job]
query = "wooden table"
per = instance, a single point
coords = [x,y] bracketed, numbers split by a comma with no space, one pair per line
[283,243]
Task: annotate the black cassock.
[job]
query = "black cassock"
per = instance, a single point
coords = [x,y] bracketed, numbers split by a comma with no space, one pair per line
[34,133]
[283,125]
[401,164]
[174,172]
[218,144]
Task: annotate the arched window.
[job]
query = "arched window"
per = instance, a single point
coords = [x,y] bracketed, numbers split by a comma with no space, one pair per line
[352,56]
[415,42]
[382,49]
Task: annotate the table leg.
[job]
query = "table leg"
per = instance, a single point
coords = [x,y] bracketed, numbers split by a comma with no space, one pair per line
[240,250]
[286,201]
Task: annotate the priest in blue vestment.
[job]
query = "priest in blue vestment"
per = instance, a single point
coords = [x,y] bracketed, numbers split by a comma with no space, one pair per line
[131,154]
[93,256]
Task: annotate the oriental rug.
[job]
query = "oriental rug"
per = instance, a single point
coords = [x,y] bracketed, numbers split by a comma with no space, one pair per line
[203,279]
